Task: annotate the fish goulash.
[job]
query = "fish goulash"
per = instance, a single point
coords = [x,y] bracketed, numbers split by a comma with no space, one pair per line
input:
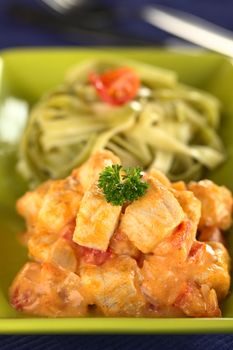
[113,241]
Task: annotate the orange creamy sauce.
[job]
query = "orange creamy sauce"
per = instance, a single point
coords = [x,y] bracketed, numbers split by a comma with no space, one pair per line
[153,264]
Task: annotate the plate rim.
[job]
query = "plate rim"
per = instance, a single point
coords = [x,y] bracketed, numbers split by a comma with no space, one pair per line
[116,325]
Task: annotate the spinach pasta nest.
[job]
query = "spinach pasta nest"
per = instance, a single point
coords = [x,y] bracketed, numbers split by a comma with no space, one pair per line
[142,113]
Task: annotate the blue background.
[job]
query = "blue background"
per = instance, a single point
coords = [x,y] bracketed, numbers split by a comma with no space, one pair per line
[16,32]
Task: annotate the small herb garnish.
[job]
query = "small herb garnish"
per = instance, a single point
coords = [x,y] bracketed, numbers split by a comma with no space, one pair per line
[122,185]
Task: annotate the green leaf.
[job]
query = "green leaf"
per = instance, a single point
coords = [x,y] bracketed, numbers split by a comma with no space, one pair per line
[121,185]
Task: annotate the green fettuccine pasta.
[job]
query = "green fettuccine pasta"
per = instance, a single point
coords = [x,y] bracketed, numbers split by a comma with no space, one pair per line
[168,125]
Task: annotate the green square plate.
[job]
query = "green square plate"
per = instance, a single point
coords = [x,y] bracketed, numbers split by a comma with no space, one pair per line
[26,74]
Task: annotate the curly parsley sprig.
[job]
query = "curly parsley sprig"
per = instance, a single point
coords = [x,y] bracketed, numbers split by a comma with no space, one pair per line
[121,185]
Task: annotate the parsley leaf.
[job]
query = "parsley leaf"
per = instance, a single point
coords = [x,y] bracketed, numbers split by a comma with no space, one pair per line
[121,185]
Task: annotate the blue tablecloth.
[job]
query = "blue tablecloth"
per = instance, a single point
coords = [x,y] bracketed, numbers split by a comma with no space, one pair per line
[117,342]
[19,32]
[16,32]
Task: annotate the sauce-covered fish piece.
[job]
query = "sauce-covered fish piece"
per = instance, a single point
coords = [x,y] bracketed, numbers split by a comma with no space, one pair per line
[121,245]
[96,220]
[210,264]
[114,287]
[60,205]
[211,234]
[55,248]
[47,290]
[151,218]
[216,204]
[195,285]
[30,203]
[192,209]
[167,283]
[88,173]
[197,301]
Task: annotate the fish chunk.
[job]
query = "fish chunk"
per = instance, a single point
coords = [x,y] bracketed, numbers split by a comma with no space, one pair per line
[114,287]
[178,244]
[211,234]
[30,203]
[62,255]
[151,218]
[121,245]
[192,209]
[159,176]
[47,290]
[216,204]
[210,265]
[191,286]
[60,205]
[54,248]
[196,301]
[40,244]
[179,186]
[96,220]
[88,173]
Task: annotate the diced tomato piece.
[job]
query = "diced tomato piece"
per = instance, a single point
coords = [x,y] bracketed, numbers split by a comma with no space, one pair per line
[89,255]
[185,290]
[68,231]
[180,234]
[196,251]
[20,300]
[94,256]
[117,86]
